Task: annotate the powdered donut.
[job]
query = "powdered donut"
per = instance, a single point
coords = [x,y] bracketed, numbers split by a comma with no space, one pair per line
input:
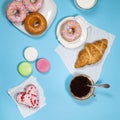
[71,30]
[35,23]
[16,12]
[33,5]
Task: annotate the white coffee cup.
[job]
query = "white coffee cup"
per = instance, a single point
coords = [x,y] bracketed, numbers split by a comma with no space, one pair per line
[79,87]
[85,4]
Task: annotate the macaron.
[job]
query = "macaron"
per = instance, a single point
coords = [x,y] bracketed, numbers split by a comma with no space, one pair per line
[43,65]
[30,54]
[25,68]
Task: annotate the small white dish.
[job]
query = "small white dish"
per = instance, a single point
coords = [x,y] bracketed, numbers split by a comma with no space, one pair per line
[48,10]
[80,40]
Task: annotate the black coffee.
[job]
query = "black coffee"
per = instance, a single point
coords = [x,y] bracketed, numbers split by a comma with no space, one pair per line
[79,86]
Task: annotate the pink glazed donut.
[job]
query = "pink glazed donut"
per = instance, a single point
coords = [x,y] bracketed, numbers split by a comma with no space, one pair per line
[16,12]
[71,30]
[33,5]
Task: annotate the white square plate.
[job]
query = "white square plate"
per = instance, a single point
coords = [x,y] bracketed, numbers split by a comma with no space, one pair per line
[48,10]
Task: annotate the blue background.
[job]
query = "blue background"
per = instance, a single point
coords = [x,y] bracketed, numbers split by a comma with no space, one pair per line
[60,105]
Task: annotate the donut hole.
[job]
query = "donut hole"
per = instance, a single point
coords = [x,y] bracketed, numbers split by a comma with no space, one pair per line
[71,30]
[16,12]
[36,23]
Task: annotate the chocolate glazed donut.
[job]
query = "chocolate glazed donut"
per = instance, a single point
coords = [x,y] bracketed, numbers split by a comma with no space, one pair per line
[35,23]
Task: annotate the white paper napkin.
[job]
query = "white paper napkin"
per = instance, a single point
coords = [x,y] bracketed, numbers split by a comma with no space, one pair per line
[25,111]
[69,56]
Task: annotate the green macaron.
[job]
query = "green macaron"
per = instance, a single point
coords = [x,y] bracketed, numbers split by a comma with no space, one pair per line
[25,68]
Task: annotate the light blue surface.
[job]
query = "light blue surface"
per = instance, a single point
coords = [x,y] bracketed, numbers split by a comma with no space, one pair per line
[60,105]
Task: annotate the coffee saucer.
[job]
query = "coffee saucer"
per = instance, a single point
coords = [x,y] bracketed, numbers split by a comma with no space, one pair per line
[78,42]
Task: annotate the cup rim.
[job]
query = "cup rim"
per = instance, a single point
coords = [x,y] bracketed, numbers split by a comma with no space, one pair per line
[91,93]
[77,4]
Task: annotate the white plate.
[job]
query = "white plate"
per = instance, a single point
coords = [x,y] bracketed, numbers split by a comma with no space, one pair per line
[48,10]
[80,40]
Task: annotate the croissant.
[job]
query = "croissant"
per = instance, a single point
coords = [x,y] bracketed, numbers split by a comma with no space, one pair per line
[91,53]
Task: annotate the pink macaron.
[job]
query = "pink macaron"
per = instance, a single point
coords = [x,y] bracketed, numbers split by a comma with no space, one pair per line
[43,65]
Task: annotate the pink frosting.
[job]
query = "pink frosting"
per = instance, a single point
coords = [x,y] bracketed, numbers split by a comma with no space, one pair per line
[33,6]
[29,97]
[71,30]
[16,12]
